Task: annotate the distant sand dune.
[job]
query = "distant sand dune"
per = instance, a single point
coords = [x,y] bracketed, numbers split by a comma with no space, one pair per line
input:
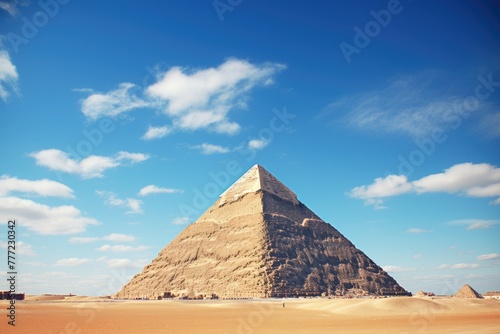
[401,306]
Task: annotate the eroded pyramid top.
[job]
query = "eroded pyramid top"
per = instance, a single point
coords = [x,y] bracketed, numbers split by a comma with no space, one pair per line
[255,179]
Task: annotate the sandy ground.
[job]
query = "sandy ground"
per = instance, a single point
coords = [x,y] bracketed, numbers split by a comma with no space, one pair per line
[79,315]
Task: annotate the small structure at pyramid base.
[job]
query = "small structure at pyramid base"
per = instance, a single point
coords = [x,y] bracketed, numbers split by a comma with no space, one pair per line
[467,292]
[259,241]
[492,295]
[423,294]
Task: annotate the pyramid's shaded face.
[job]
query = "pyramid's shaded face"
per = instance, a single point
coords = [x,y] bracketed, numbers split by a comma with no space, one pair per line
[258,240]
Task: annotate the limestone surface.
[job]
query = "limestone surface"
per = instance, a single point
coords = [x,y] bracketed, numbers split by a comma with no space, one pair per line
[259,241]
[467,292]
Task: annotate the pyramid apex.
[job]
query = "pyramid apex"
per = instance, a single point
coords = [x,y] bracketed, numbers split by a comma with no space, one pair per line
[255,179]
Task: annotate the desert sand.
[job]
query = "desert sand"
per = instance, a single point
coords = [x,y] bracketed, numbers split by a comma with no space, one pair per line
[72,315]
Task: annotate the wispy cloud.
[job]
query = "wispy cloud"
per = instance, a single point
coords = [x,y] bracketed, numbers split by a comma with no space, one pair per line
[134,205]
[121,248]
[72,262]
[44,219]
[192,99]
[208,149]
[11,6]
[397,269]
[180,220]
[414,105]
[33,263]
[475,224]
[152,189]
[82,240]
[119,264]
[489,125]
[8,75]
[156,132]
[417,230]
[115,237]
[459,266]
[113,103]
[90,167]
[472,180]
[118,237]
[486,257]
[42,187]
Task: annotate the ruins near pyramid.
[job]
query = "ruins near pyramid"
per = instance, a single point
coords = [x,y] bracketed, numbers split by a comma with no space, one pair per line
[467,292]
[258,241]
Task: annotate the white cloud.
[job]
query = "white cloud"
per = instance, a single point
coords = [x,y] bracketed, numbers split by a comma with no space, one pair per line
[228,128]
[485,257]
[42,187]
[468,177]
[416,106]
[90,167]
[486,191]
[132,157]
[44,219]
[118,237]
[396,269]
[181,220]
[473,180]
[459,266]
[133,204]
[22,248]
[82,240]
[417,230]
[391,185]
[113,103]
[202,98]
[8,74]
[72,262]
[156,132]
[192,99]
[152,189]
[121,248]
[475,224]
[196,89]
[257,144]
[209,149]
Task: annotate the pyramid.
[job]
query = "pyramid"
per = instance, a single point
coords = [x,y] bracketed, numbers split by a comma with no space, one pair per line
[467,292]
[258,241]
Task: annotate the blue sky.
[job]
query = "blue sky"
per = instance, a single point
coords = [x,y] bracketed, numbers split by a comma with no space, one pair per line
[121,122]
